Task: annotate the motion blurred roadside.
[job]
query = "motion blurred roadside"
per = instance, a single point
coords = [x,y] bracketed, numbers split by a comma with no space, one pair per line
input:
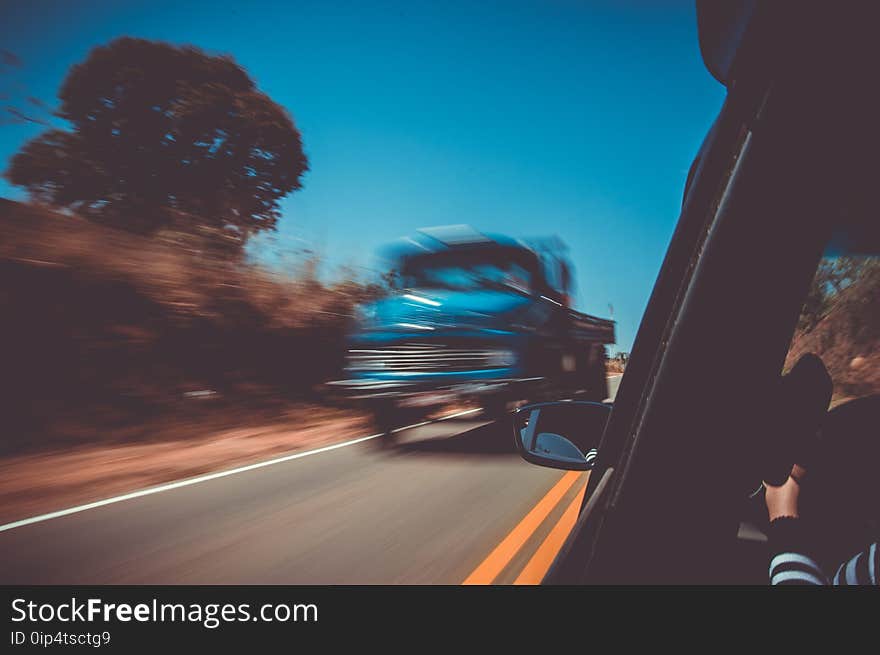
[111,336]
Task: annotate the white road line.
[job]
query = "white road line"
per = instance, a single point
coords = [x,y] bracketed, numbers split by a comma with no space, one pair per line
[210,476]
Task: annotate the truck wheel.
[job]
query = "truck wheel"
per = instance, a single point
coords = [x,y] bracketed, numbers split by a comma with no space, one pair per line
[597,379]
[495,407]
[386,419]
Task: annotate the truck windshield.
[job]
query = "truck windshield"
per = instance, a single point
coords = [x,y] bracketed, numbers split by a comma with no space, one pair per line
[466,273]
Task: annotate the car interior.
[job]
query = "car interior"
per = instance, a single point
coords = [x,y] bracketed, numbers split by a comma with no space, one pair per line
[783,179]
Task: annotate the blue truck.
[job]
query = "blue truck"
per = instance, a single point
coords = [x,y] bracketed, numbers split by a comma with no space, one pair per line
[473,316]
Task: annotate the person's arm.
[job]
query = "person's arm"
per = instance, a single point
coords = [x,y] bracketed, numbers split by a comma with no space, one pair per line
[861,569]
[792,559]
[591,455]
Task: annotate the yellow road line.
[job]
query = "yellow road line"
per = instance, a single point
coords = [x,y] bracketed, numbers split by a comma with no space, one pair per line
[504,552]
[537,567]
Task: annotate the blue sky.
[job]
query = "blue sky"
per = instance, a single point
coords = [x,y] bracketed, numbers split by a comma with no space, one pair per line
[578,119]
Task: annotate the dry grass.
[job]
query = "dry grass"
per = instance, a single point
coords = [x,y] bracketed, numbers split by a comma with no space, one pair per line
[178,270]
[614,367]
[106,334]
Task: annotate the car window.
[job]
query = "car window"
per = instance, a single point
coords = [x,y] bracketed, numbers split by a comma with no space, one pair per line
[469,276]
[840,322]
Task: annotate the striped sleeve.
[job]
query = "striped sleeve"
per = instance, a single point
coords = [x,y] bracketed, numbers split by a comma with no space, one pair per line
[792,561]
[795,569]
[861,569]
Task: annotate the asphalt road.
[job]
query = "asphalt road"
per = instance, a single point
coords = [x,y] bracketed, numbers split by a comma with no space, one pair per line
[453,501]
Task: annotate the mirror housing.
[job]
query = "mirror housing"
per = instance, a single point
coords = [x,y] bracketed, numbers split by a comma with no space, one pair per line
[562,435]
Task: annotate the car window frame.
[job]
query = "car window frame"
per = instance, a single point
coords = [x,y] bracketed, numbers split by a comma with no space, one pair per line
[791,164]
[708,178]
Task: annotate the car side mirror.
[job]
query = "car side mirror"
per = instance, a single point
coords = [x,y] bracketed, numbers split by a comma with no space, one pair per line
[562,435]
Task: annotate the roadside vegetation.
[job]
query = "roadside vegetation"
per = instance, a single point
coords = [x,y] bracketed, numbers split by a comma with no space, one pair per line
[617,362]
[109,335]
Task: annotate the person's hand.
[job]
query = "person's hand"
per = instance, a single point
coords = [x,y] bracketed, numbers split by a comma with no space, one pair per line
[783,500]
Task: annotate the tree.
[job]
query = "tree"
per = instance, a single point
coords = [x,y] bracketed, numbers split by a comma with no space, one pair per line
[833,276]
[160,131]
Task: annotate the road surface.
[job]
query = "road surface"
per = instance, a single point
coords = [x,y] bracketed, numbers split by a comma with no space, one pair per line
[453,502]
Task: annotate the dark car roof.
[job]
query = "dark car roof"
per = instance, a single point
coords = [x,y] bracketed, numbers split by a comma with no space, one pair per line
[722,27]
